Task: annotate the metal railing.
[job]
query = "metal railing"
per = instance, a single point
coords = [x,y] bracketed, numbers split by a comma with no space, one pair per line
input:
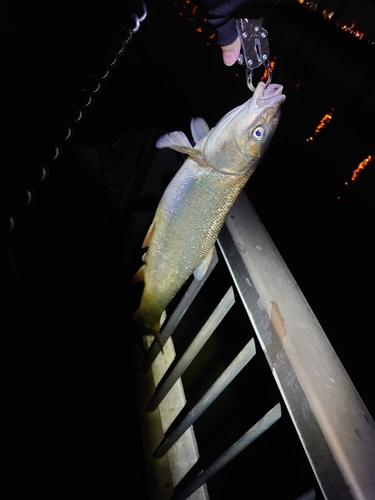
[332,423]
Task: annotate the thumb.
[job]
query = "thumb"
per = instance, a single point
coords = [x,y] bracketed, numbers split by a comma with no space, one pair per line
[231,52]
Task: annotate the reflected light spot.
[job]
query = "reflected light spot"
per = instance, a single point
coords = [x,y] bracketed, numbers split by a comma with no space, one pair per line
[272,66]
[299,84]
[322,124]
[361,167]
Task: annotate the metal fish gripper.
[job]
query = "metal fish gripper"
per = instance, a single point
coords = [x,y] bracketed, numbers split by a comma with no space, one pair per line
[255,48]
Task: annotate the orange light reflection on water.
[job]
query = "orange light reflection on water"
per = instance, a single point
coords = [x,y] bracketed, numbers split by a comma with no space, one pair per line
[362,165]
[322,124]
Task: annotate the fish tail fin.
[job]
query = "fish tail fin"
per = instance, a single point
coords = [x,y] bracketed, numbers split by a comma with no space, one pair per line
[153,330]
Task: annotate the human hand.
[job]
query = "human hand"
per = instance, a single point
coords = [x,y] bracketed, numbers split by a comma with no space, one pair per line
[222,14]
[231,52]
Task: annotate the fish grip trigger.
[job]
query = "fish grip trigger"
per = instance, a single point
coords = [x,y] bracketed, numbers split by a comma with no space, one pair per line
[255,48]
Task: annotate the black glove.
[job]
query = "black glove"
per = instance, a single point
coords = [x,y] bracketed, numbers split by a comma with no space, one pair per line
[222,14]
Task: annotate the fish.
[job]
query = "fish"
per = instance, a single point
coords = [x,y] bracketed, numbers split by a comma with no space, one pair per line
[195,204]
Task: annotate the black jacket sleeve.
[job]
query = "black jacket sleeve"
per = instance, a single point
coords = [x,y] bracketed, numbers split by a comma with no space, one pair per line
[222,14]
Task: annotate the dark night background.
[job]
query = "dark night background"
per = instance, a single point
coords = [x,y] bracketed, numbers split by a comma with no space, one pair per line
[66,386]
[68,411]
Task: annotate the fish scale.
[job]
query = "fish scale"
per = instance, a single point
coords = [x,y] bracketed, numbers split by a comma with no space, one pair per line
[196,203]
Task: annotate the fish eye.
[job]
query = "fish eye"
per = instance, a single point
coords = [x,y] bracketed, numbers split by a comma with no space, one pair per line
[258,133]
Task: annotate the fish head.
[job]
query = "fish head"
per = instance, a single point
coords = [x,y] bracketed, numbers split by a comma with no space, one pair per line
[237,143]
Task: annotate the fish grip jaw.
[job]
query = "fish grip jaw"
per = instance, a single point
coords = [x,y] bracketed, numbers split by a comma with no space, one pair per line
[255,48]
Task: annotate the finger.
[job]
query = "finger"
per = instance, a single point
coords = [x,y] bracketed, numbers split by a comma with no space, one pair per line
[231,52]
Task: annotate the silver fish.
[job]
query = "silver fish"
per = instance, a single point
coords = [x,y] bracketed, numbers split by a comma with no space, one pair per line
[195,204]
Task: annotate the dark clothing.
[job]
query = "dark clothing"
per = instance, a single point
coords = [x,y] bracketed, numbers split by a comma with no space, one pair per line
[222,14]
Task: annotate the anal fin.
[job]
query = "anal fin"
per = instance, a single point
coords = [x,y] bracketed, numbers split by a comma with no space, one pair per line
[150,232]
[201,270]
[139,276]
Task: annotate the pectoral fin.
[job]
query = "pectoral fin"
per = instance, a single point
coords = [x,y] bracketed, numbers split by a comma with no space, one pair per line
[201,270]
[179,142]
[174,140]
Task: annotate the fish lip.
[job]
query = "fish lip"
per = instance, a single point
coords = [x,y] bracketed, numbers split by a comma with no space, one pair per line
[266,95]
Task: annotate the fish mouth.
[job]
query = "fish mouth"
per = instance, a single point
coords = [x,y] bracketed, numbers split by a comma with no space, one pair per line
[265,96]
[223,141]
[268,95]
